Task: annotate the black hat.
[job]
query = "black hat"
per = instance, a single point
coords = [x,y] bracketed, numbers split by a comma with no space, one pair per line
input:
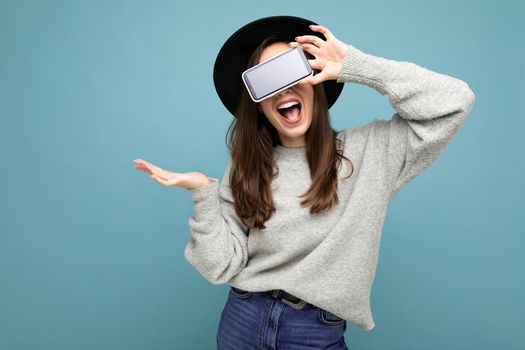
[236,51]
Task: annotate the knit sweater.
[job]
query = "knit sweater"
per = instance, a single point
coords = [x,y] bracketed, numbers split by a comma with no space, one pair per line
[329,259]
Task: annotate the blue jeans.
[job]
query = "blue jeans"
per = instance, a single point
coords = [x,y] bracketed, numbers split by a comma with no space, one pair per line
[256,320]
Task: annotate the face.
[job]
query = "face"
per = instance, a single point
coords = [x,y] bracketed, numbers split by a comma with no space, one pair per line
[291,123]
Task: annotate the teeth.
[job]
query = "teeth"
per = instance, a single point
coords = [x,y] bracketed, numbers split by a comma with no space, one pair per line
[289,104]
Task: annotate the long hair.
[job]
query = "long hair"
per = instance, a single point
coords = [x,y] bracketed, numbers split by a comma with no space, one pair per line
[251,142]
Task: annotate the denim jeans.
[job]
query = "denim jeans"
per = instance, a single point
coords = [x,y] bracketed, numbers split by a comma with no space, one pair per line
[256,320]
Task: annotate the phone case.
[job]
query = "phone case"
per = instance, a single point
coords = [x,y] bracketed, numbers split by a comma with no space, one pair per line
[284,87]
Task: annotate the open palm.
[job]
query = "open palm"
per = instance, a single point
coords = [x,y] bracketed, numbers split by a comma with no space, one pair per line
[167,178]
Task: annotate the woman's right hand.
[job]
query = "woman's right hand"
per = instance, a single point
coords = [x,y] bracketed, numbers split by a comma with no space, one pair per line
[167,178]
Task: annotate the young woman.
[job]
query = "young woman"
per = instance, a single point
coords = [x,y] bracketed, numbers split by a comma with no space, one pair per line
[295,224]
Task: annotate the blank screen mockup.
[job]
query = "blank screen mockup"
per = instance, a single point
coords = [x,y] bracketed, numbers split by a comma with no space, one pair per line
[276,73]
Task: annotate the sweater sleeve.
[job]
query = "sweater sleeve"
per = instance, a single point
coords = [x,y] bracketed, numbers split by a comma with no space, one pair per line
[218,244]
[430,109]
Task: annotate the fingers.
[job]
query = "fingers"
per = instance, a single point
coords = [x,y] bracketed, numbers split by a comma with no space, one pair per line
[141,166]
[140,163]
[310,48]
[305,81]
[162,176]
[147,167]
[147,164]
[315,39]
[315,64]
[323,30]
[151,166]
[150,169]
[316,79]
[159,180]
[142,169]
[310,39]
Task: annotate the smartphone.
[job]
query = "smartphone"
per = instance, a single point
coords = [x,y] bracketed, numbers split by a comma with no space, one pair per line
[277,74]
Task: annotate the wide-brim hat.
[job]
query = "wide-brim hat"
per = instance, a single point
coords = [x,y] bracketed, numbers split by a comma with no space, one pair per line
[236,51]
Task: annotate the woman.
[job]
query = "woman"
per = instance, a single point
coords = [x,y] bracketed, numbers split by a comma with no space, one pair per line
[295,224]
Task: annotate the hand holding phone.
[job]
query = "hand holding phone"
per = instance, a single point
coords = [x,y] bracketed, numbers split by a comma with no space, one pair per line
[329,54]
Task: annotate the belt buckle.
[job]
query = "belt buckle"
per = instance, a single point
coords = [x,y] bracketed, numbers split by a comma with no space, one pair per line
[297,306]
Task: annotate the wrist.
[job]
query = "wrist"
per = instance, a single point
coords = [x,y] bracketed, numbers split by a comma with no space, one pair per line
[204,183]
[342,51]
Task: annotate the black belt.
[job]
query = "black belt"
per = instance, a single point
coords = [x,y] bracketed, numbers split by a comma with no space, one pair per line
[288,298]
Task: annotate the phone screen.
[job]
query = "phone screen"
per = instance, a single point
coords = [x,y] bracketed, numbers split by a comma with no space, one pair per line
[276,74]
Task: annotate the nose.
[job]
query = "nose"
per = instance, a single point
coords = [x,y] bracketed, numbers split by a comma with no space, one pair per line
[282,93]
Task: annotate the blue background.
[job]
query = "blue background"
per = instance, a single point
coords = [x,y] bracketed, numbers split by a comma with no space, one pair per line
[91,250]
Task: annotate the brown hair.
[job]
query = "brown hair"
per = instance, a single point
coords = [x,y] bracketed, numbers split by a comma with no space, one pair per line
[251,142]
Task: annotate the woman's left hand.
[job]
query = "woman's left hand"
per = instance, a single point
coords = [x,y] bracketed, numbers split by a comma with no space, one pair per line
[328,54]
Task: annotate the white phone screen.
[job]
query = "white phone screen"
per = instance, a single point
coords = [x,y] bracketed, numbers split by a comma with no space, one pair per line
[276,74]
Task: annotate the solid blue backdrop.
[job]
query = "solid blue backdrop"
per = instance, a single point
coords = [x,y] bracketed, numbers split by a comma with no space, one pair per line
[91,250]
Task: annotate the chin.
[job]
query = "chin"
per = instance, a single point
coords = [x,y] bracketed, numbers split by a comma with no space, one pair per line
[295,133]
[298,131]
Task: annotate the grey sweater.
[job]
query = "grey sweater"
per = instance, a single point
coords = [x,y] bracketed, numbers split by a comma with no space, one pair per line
[329,259]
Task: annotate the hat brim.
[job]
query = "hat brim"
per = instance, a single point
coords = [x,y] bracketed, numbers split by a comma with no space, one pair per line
[236,51]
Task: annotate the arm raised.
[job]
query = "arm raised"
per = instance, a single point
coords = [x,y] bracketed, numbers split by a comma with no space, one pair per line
[430,109]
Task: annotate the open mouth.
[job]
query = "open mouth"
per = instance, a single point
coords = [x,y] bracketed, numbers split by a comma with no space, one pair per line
[292,113]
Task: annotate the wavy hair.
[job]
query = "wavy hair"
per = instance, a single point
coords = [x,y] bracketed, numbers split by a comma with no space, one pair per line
[251,139]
